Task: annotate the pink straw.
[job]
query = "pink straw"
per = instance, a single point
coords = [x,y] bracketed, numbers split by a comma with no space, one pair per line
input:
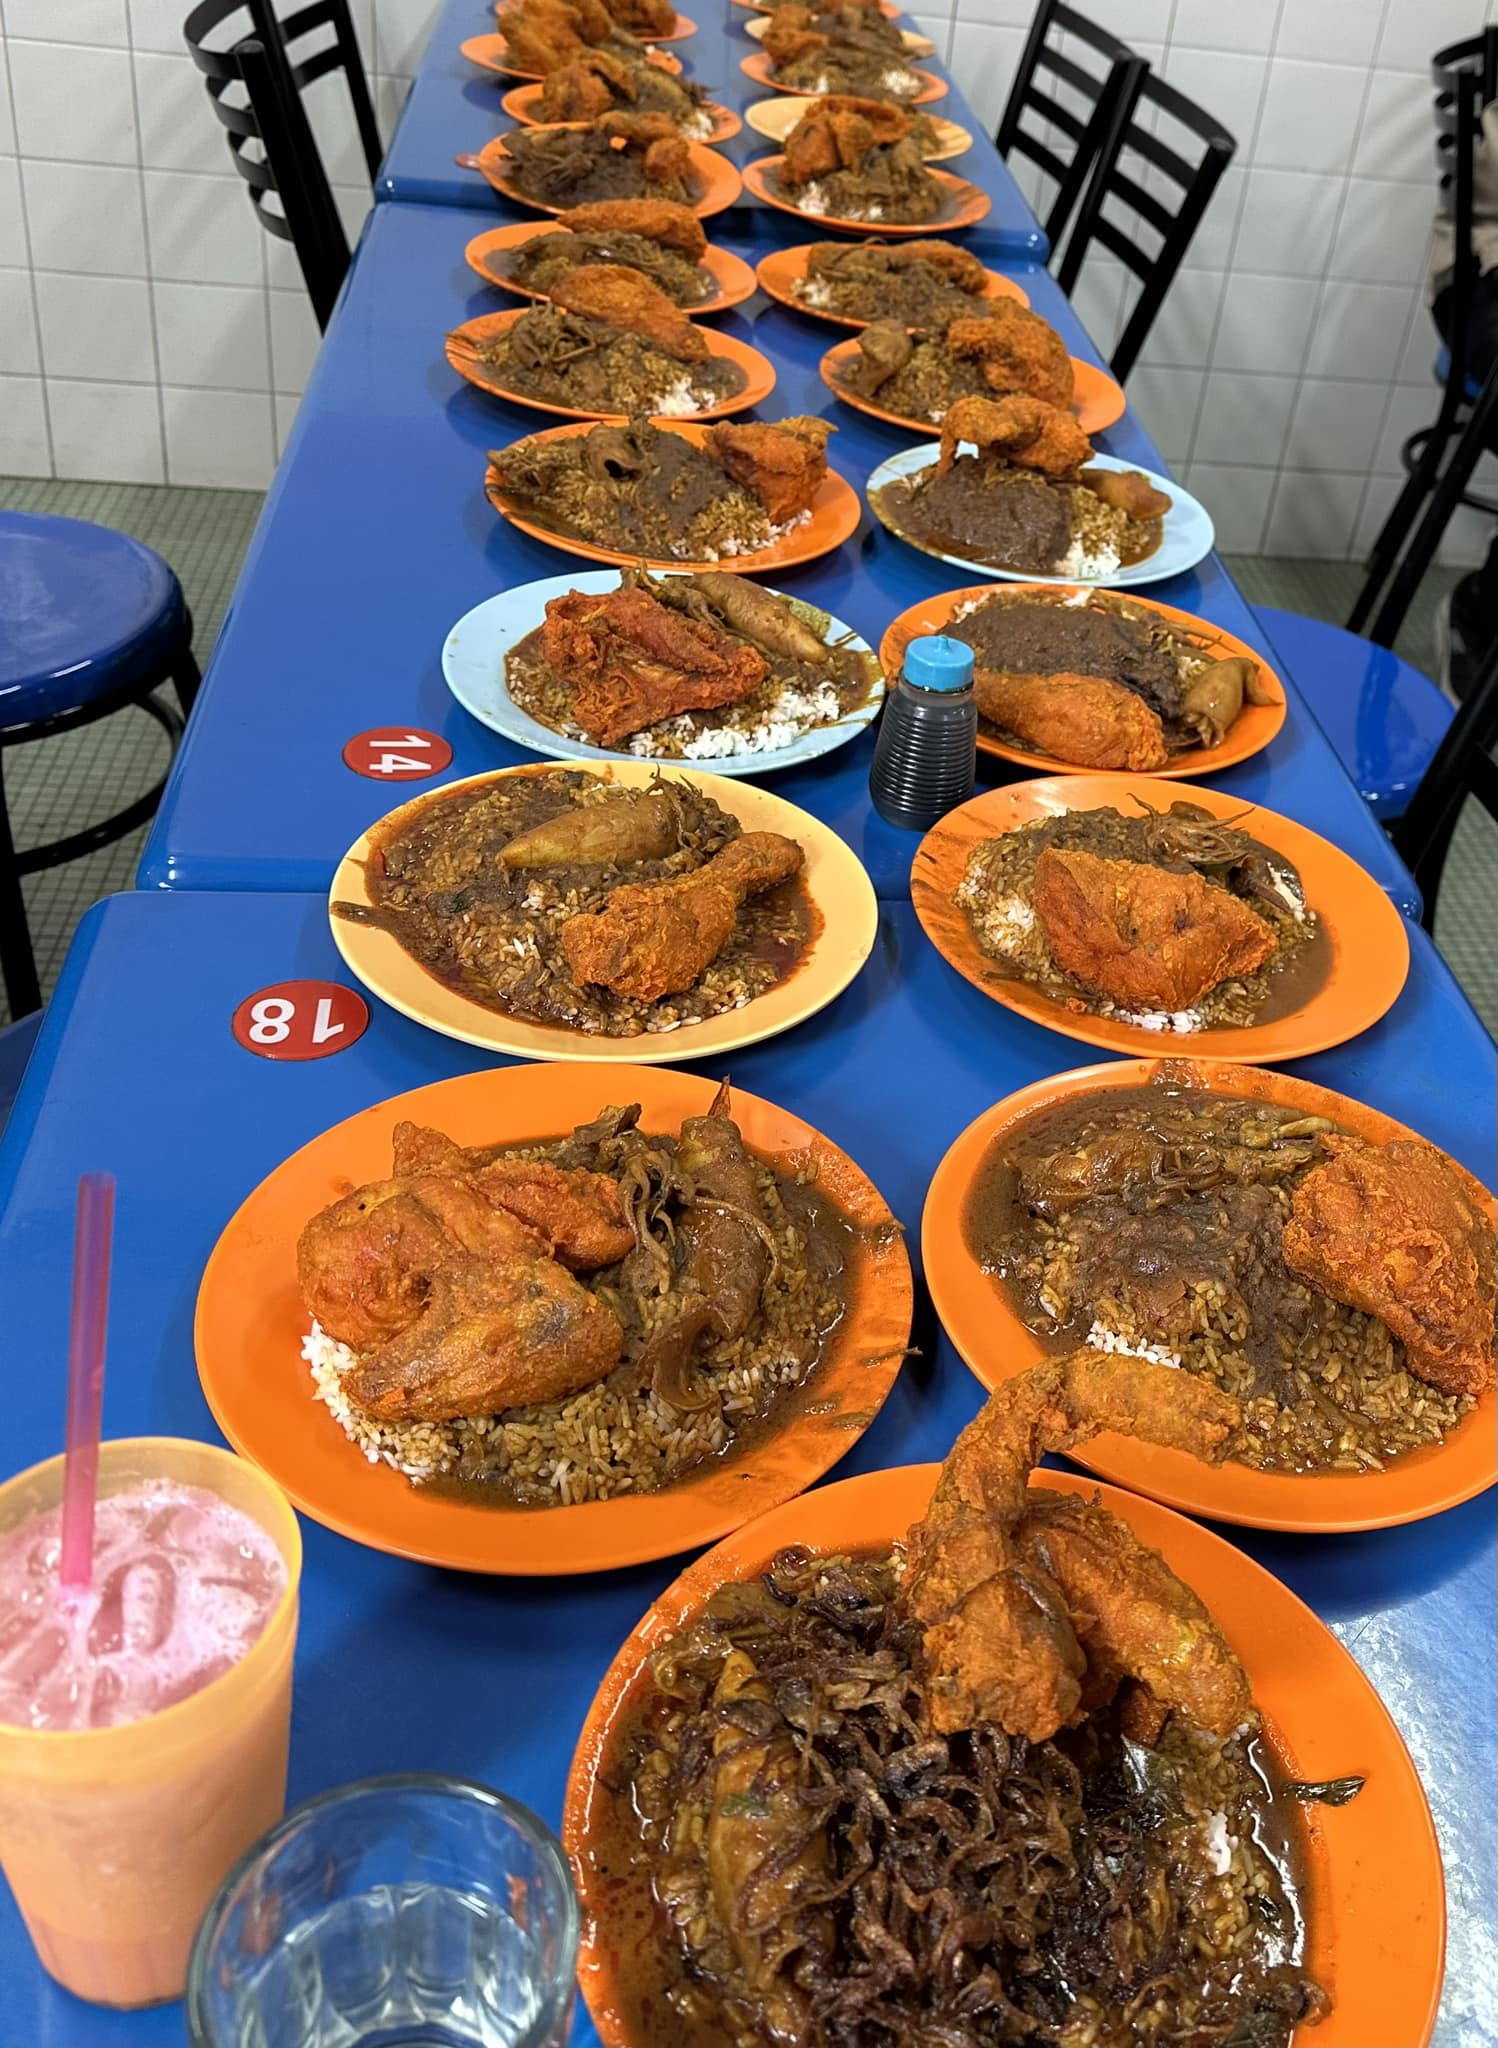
[91,1240]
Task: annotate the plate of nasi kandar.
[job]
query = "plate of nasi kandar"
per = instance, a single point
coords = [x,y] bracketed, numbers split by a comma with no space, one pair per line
[1324,1269]
[940,1755]
[554,1319]
[584,910]
[610,665]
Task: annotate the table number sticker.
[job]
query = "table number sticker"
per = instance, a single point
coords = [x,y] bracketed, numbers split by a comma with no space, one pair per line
[301,1020]
[397,753]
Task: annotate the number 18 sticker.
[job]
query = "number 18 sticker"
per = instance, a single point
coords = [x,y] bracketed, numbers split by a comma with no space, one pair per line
[397,753]
[301,1020]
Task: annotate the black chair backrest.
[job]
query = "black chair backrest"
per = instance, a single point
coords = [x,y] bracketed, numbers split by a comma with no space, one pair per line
[1166,192]
[1062,140]
[1465,77]
[255,82]
[1463,767]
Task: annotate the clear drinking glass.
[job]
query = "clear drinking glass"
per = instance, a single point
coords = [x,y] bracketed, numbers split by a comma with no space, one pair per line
[403,1912]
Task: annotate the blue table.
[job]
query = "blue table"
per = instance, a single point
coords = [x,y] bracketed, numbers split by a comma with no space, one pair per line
[403,1667]
[454,108]
[377,537]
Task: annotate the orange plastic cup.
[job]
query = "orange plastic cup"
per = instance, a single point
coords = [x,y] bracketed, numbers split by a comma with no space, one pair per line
[115,1839]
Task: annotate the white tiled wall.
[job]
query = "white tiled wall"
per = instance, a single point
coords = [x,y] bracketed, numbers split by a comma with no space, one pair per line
[1295,351]
[150,330]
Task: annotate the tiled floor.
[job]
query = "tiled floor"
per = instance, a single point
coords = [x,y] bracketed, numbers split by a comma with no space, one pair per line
[63,783]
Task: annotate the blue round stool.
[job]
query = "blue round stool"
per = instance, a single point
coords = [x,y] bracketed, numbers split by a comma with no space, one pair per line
[1384,718]
[91,622]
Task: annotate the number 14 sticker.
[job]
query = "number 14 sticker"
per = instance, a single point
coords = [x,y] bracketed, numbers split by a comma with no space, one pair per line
[397,753]
[301,1020]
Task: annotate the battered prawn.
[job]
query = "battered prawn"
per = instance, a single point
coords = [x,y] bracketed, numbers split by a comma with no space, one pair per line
[1025,432]
[1035,1607]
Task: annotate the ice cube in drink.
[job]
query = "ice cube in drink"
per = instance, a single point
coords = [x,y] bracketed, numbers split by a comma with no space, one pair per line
[183,1584]
[143,1721]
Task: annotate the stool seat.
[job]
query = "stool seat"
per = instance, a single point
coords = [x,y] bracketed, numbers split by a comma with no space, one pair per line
[1384,718]
[84,612]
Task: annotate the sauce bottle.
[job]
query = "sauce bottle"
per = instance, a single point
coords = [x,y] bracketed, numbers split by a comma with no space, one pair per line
[926,754]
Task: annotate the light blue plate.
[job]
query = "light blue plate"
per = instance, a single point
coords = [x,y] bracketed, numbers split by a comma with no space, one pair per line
[473,663]
[1188,527]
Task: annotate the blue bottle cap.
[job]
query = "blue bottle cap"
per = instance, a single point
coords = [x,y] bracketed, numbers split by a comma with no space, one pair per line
[934,662]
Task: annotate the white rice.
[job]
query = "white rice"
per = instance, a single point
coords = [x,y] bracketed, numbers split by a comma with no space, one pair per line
[1089,564]
[791,713]
[682,398]
[1220,1844]
[420,1452]
[1000,925]
[699,128]
[812,291]
[813,199]
[1163,1020]
[1101,1338]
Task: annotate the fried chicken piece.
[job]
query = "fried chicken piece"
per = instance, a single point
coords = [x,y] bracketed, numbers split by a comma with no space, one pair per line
[1024,431]
[1085,721]
[653,939]
[630,661]
[783,465]
[644,17]
[453,1302]
[791,36]
[1021,1624]
[1126,490]
[1141,935]
[1017,352]
[837,135]
[625,298]
[544,34]
[658,220]
[1400,1231]
[959,266]
[589,85]
[577,1215]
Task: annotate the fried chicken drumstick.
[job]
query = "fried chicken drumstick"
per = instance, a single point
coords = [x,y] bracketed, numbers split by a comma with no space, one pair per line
[653,939]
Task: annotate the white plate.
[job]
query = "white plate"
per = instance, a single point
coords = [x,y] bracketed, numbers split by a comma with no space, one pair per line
[473,663]
[1188,527]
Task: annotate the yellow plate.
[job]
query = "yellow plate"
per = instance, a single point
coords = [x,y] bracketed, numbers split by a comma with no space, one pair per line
[774,119]
[840,892]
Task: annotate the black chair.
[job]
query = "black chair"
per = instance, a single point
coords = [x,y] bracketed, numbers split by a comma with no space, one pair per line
[1069,151]
[255,86]
[1466,81]
[1171,211]
[1463,767]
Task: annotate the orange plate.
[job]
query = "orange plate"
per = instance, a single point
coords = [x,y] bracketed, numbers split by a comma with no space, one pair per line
[977,1314]
[251,1321]
[783,269]
[736,281]
[1378,1907]
[1370,954]
[835,513]
[962,205]
[681,29]
[491,53]
[757,67]
[1251,731]
[886,7]
[717,181]
[1096,400]
[521,103]
[758,372]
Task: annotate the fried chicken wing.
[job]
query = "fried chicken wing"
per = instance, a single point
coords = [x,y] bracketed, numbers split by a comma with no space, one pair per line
[1031,1617]
[783,465]
[1025,431]
[644,17]
[630,662]
[653,939]
[1085,721]
[1400,1231]
[621,297]
[837,134]
[1146,938]
[790,36]
[589,85]
[577,1215]
[658,220]
[1017,351]
[542,35]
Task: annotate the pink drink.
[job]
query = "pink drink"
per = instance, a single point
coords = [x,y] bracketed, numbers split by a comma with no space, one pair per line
[183,1584]
[144,1722]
